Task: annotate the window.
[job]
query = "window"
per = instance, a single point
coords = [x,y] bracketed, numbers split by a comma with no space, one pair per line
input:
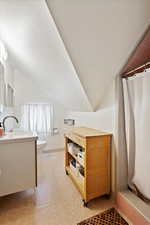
[38,118]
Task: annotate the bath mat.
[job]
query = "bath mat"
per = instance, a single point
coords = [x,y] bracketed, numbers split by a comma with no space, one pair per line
[109,217]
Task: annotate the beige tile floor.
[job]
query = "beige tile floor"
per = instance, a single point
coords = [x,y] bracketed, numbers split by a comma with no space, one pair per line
[55,201]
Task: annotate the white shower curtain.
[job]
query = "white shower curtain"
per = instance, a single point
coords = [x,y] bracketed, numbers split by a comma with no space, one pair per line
[120,137]
[137,113]
[38,118]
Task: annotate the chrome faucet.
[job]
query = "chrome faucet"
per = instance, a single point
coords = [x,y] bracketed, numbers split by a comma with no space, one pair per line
[6,117]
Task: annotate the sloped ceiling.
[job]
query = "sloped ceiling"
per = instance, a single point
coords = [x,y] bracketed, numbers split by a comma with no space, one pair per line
[37,51]
[99,36]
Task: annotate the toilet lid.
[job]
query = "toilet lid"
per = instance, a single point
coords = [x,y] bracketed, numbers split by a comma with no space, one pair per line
[39,143]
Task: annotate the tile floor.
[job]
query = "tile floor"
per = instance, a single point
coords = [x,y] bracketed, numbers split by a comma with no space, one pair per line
[55,201]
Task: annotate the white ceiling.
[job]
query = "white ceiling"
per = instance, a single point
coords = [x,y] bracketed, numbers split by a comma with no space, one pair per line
[36,49]
[98,35]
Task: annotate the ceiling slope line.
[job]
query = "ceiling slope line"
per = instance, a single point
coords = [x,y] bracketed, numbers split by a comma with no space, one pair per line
[139,40]
[104,96]
[69,56]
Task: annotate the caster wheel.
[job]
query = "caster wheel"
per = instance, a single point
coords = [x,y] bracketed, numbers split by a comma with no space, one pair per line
[107,196]
[67,173]
[85,204]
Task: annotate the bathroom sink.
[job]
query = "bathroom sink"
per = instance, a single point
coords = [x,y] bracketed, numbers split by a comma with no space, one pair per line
[17,135]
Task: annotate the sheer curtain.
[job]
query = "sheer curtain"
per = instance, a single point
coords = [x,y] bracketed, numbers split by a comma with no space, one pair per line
[136,90]
[38,118]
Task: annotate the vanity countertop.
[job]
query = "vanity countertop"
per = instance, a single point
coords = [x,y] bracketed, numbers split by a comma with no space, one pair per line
[12,137]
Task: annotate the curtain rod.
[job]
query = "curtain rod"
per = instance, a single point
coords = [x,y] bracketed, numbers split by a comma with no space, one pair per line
[134,71]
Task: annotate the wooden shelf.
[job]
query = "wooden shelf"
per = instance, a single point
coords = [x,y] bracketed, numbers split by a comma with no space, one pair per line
[76,180]
[76,158]
[96,164]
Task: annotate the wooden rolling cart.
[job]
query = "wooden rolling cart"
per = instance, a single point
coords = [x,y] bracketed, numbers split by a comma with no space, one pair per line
[95,146]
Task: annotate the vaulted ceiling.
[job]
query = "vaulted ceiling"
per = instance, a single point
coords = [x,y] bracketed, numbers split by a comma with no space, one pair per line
[75,57]
[99,35]
[36,50]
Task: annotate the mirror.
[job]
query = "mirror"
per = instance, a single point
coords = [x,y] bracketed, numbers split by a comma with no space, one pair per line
[2,88]
[9,96]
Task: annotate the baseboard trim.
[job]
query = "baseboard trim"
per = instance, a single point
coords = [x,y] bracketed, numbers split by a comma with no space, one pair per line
[133,208]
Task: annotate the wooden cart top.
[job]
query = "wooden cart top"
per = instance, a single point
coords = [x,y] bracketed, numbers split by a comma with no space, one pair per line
[88,132]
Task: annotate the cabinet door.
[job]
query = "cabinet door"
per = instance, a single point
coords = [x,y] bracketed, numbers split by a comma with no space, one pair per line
[17,166]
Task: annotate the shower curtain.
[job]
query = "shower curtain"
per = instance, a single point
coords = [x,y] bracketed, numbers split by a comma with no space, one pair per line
[137,124]
[120,137]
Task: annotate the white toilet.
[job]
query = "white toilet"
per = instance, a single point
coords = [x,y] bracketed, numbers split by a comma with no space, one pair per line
[41,145]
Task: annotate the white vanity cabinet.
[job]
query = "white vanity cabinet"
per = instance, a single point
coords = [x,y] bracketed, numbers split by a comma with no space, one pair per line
[18,165]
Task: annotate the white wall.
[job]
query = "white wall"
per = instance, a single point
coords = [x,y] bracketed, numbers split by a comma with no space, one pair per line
[102,119]
[27,91]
